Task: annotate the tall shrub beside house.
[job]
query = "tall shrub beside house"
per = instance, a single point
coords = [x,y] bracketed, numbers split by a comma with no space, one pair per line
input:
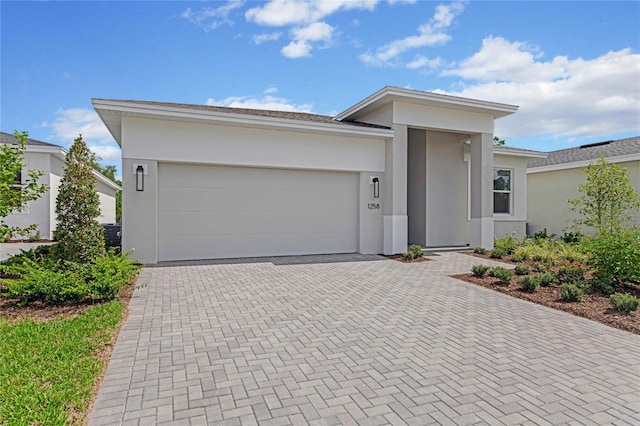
[80,236]
[16,190]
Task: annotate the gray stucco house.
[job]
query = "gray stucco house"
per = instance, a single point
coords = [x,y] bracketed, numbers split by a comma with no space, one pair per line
[50,159]
[553,180]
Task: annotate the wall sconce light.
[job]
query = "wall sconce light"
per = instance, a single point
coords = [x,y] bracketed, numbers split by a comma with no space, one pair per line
[376,187]
[140,178]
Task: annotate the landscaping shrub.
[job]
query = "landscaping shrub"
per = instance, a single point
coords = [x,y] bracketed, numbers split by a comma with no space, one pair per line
[624,302]
[479,250]
[502,274]
[571,293]
[571,237]
[539,267]
[507,243]
[570,274]
[414,252]
[547,278]
[519,256]
[479,270]
[529,283]
[543,235]
[497,253]
[62,281]
[615,256]
[522,270]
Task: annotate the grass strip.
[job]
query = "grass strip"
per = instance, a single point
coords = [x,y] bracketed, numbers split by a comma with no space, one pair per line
[48,369]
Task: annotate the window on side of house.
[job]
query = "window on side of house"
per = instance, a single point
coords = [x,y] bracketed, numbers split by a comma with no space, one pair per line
[502,185]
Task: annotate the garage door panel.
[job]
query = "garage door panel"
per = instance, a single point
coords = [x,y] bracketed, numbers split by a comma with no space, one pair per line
[218,199]
[208,212]
[202,223]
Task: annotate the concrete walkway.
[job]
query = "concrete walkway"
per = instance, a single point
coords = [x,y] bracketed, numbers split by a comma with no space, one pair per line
[353,339]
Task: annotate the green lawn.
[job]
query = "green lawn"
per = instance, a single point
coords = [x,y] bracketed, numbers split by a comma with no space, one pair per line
[48,370]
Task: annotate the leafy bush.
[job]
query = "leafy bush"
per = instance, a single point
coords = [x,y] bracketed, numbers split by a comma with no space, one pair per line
[539,267]
[497,253]
[571,237]
[571,292]
[624,302]
[529,283]
[570,274]
[507,243]
[519,256]
[52,281]
[479,270]
[547,278]
[616,256]
[479,250]
[543,235]
[414,252]
[502,274]
[522,270]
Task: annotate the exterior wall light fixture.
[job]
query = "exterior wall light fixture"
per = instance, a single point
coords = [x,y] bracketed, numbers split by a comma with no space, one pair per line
[140,178]
[376,187]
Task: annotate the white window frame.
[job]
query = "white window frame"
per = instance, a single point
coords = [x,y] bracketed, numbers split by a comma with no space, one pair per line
[509,191]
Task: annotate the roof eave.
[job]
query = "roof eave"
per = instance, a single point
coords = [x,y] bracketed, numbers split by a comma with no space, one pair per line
[390,94]
[515,152]
[112,111]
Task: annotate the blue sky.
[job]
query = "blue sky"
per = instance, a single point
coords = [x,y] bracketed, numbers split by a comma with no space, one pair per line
[572,67]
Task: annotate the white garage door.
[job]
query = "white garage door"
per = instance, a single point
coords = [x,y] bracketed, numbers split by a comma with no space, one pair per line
[210,212]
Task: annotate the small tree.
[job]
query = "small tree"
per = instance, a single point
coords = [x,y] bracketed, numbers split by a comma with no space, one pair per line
[80,236]
[608,199]
[16,191]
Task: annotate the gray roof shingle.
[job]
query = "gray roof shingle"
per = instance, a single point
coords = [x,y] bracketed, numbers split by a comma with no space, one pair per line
[10,139]
[589,152]
[288,115]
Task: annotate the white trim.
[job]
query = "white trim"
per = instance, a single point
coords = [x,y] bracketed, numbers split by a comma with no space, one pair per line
[584,163]
[511,191]
[102,178]
[515,152]
[390,93]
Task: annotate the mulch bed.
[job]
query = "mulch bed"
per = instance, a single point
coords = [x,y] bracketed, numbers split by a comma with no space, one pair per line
[595,307]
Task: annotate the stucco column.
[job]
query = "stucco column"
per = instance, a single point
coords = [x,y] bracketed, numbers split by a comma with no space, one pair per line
[140,211]
[395,206]
[482,191]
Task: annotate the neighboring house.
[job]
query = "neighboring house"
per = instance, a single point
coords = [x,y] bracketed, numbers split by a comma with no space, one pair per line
[554,180]
[50,159]
[400,167]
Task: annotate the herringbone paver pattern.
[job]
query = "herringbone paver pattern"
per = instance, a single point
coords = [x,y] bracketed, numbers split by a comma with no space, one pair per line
[354,339]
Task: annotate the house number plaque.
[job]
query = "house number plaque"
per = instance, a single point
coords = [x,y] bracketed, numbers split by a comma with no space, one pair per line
[373,206]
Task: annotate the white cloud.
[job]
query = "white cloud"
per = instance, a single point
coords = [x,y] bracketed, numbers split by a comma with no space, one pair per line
[279,13]
[259,39]
[316,31]
[424,62]
[297,49]
[70,123]
[267,102]
[562,96]
[270,90]
[429,34]
[210,18]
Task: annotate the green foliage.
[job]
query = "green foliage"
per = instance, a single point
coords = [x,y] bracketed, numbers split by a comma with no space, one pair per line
[608,200]
[479,250]
[615,256]
[507,243]
[48,369]
[522,270]
[571,273]
[479,270]
[14,194]
[502,274]
[414,252]
[543,235]
[571,293]
[624,302]
[80,236]
[529,283]
[39,277]
[497,253]
[547,278]
[571,237]
[498,142]
[539,267]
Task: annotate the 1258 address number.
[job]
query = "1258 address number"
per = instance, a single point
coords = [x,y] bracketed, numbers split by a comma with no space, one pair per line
[373,206]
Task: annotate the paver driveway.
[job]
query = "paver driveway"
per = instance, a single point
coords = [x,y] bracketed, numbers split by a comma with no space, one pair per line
[355,339]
